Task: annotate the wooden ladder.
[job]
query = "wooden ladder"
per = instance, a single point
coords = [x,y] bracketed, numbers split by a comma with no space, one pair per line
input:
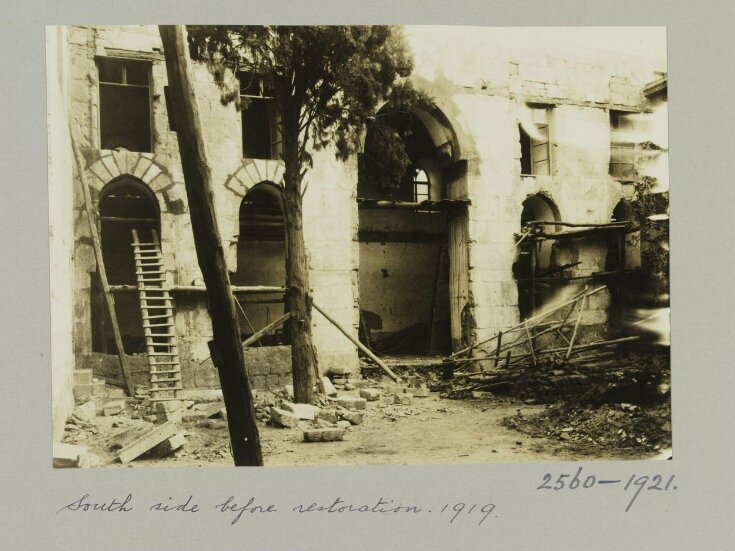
[158,320]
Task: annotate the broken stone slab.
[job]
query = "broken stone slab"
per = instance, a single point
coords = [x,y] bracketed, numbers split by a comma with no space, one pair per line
[67,455]
[82,393]
[148,440]
[212,410]
[86,411]
[288,389]
[302,411]
[359,383]
[354,417]
[352,402]
[213,424]
[329,389]
[349,386]
[113,407]
[324,435]
[481,394]
[370,394]
[403,399]
[344,424]
[168,446]
[284,419]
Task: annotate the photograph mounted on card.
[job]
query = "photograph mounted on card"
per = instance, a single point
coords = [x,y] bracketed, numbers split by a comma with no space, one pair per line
[357,245]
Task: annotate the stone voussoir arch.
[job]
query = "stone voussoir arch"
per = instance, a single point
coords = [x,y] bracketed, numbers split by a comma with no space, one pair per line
[142,167]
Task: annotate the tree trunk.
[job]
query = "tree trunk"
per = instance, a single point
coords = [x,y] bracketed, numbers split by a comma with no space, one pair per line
[226,348]
[298,293]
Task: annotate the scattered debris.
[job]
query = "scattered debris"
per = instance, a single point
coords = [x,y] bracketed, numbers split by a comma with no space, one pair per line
[370,394]
[154,436]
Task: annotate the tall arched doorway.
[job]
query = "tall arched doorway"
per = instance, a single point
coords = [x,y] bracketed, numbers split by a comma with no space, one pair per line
[261,253]
[125,204]
[405,251]
[537,258]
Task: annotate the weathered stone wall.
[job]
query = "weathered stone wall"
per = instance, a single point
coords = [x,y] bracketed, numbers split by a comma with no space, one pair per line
[330,231]
[481,96]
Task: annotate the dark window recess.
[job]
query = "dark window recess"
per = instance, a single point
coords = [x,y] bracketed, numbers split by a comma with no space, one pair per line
[535,149]
[125,105]
[261,218]
[261,125]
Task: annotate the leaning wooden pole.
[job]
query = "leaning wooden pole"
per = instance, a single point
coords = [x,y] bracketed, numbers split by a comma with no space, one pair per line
[109,299]
[226,346]
[364,349]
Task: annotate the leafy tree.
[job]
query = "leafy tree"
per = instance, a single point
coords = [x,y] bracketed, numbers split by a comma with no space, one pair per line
[327,83]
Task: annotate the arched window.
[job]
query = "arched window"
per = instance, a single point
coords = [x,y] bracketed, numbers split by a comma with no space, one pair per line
[124,204]
[421,186]
[261,253]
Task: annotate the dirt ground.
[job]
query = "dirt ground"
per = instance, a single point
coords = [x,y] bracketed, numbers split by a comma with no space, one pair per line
[431,430]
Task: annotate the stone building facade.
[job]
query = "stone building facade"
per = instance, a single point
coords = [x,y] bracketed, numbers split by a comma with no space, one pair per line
[520,131]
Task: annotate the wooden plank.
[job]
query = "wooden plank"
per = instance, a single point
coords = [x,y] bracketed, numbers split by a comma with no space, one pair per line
[142,444]
[226,346]
[109,298]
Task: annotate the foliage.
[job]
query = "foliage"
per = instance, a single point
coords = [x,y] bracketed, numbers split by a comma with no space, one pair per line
[328,79]
[654,233]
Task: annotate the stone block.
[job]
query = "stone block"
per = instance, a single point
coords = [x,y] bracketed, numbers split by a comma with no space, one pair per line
[86,411]
[82,393]
[328,415]
[323,424]
[324,435]
[343,424]
[302,411]
[113,407]
[357,383]
[83,377]
[354,417]
[352,402]
[282,418]
[370,394]
[329,389]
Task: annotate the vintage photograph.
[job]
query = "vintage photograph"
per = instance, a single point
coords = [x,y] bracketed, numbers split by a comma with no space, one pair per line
[351,245]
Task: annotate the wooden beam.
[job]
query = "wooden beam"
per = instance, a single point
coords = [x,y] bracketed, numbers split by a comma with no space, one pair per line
[364,349]
[267,329]
[226,347]
[109,299]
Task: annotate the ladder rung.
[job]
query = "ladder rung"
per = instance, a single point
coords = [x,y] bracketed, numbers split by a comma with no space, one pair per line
[163,354]
[139,244]
[164,389]
[165,379]
[152,325]
[166,364]
[160,335]
[158,316]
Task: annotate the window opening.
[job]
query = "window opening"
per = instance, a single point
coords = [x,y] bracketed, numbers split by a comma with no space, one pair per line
[125,106]
[535,157]
[262,136]
[622,152]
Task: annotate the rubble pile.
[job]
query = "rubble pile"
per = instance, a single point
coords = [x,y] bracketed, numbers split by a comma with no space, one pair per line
[611,426]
